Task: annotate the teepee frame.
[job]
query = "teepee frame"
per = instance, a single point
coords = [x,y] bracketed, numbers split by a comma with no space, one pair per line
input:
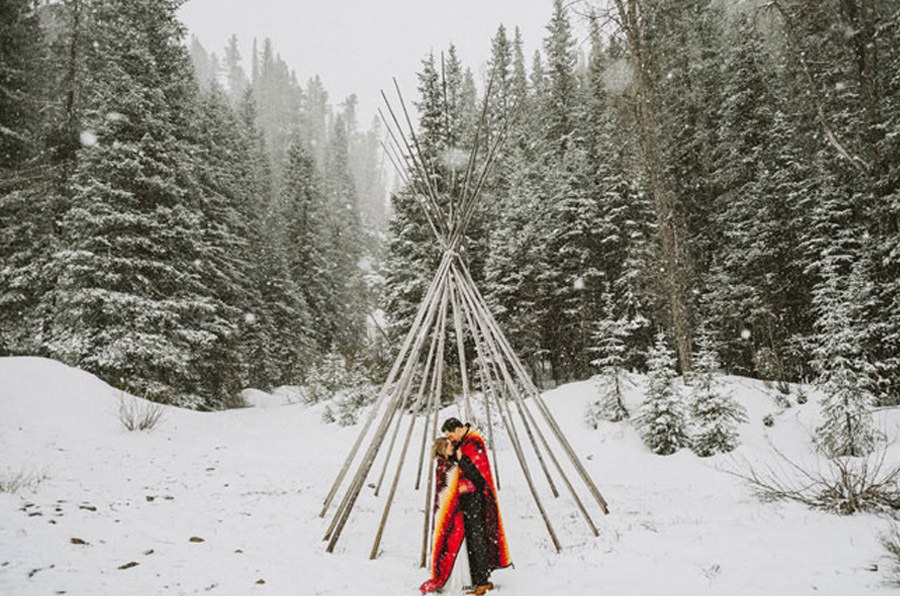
[452,302]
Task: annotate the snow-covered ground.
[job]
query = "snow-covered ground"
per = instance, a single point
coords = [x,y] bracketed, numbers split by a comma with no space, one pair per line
[251,483]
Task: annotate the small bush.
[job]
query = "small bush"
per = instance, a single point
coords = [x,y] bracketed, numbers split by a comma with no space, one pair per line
[844,485]
[768,420]
[139,414]
[13,482]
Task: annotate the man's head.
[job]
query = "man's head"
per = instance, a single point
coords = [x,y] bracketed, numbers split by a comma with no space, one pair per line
[453,429]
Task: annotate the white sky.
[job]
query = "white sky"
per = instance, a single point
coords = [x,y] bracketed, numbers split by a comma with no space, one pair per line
[356,46]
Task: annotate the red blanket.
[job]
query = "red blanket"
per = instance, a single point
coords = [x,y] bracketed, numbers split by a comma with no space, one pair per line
[449,529]
[448,526]
[473,447]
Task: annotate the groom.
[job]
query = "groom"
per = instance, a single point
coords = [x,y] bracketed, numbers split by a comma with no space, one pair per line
[485,537]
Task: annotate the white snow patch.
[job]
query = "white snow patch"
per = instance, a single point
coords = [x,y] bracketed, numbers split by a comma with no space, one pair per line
[251,482]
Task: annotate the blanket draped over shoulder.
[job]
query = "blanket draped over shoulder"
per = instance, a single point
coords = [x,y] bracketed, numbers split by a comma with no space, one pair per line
[448,525]
[473,447]
[449,529]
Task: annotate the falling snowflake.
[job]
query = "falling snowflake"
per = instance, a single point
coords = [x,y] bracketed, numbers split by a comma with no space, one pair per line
[87,138]
[455,159]
[250,318]
[745,333]
[578,284]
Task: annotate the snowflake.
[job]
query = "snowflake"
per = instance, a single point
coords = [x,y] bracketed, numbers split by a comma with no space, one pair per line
[87,138]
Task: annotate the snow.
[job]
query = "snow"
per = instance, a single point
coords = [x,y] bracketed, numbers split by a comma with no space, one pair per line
[87,138]
[250,483]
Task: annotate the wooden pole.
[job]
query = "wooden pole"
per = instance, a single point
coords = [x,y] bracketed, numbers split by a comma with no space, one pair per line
[485,388]
[418,153]
[436,395]
[517,447]
[428,363]
[431,362]
[512,387]
[538,399]
[461,351]
[420,167]
[429,206]
[438,330]
[386,388]
[352,494]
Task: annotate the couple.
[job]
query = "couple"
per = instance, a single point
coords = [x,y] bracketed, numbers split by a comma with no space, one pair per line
[467,514]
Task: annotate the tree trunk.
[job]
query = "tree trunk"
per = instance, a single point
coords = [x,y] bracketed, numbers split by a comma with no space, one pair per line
[674,254]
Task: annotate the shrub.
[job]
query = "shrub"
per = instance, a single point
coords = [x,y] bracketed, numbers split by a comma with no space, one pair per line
[839,484]
[13,482]
[139,414]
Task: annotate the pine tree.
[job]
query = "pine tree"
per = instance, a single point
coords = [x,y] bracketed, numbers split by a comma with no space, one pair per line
[130,304]
[30,200]
[304,212]
[845,376]
[561,85]
[22,49]
[345,243]
[327,377]
[715,412]
[662,418]
[609,338]
[756,277]
[279,323]
[234,73]
[357,394]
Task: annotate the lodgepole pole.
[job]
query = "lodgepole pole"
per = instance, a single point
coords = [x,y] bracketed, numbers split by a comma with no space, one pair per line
[431,362]
[437,388]
[486,387]
[428,363]
[343,512]
[523,411]
[461,351]
[542,407]
[390,497]
[508,425]
[385,391]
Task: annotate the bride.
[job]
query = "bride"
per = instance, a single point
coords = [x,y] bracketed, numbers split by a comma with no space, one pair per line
[448,570]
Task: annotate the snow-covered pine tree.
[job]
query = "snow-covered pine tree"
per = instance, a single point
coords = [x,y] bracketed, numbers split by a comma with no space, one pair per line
[845,375]
[357,393]
[756,279]
[278,103]
[30,166]
[22,49]
[560,96]
[445,120]
[130,304]
[345,244]
[515,260]
[662,418]
[306,245]
[609,338]
[229,217]
[715,412]
[236,78]
[279,327]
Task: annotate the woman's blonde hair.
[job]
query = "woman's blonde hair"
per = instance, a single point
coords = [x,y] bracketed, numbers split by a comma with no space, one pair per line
[439,447]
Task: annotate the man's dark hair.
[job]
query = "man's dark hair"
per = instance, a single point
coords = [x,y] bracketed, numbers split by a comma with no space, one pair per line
[451,424]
